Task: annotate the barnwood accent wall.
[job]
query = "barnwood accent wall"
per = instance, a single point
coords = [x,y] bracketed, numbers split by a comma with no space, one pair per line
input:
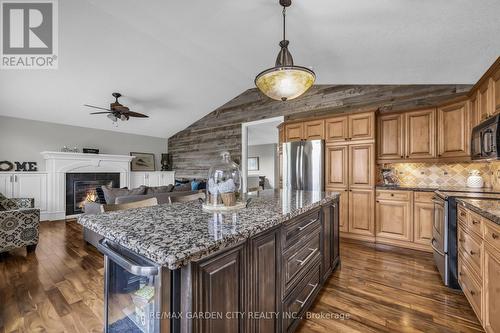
[195,148]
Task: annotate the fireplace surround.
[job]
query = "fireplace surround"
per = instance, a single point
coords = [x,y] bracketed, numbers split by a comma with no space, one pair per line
[80,187]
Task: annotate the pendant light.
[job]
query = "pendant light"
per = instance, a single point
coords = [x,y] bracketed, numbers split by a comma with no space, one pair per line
[285,81]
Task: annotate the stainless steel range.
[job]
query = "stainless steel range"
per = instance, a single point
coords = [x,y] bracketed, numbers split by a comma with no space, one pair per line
[444,230]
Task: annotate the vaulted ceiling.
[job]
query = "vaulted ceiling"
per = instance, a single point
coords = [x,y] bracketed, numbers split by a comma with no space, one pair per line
[179,60]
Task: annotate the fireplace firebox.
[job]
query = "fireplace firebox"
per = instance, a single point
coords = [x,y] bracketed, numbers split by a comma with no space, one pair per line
[81,187]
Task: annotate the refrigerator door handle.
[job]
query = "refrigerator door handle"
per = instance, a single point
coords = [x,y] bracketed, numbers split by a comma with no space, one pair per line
[126,263]
[302,166]
[297,168]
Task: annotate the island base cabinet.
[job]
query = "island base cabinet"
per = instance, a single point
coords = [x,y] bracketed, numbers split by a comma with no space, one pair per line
[491,289]
[218,289]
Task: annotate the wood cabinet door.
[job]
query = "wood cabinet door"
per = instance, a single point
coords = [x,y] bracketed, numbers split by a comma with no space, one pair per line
[314,130]
[362,126]
[390,139]
[219,284]
[336,166]
[361,212]
[420,134]
[264,288]
[293,132]
[361,165]
[484,101]
[491,289]
[495,94]
[473,111]
[336,129]
[423,218]
[343,207]
[393,219]
[453,130]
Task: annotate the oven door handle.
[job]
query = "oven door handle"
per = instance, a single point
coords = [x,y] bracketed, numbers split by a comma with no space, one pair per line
[435,249]
[126,263]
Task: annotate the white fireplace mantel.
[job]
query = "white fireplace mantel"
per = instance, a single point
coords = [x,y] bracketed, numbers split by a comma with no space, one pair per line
[57,164]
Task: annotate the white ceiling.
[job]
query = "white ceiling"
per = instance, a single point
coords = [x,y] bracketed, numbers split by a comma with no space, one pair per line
[179,60]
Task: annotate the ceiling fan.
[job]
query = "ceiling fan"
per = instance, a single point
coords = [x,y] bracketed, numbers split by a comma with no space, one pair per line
[117,111]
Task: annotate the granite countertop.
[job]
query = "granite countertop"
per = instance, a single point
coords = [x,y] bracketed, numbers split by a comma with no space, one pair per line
[489,209]
[423,188]
[172,235]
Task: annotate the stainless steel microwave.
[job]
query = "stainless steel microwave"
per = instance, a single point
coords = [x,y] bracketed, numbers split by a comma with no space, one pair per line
[485,141]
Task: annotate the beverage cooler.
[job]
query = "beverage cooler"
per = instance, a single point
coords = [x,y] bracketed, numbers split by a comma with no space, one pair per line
[133,291]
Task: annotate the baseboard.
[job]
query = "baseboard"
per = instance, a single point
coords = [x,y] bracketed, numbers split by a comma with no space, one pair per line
[52,216]
[358,237]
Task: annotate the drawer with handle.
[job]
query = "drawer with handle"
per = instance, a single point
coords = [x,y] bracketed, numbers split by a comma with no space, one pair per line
[492,233]
[470,287]
[424,197]
[462,213]
[475,223]
[470,250]
[394,195]
[300,299]
[298,259]
[300,227]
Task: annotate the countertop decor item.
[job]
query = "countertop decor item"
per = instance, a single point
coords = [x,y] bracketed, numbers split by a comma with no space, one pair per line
[224,183]
[475,180]
[285,81]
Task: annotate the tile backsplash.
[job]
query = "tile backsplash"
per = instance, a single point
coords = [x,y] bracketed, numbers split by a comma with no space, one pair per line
[444,174]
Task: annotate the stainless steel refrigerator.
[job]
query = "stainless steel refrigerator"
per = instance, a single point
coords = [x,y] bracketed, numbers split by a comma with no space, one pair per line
[303,165]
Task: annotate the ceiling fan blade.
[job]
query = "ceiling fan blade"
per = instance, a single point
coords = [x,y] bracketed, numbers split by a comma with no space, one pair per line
[96,107]
[101,112]
[134,114]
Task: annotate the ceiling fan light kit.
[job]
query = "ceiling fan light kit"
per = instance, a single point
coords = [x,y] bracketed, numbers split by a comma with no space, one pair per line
[117,111]
[285,81]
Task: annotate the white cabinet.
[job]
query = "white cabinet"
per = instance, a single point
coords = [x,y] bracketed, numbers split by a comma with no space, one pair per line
[153,178]
[26,185]
[6,187]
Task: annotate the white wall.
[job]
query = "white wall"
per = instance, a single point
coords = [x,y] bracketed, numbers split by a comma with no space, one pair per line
[267,157]
[23,140]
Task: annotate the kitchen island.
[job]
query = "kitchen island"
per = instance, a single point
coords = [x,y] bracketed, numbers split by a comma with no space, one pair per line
[178,268]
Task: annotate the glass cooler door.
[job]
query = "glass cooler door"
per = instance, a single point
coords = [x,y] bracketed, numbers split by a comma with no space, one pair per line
[132,289]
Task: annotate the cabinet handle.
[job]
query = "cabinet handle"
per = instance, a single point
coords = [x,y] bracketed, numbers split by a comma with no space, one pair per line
[472,252]
[475,222]
[306,259]
[402,156]
[461,240]
[472,292]
[308,295]
[392,194]
[305,226]
[407,156]
[494,236]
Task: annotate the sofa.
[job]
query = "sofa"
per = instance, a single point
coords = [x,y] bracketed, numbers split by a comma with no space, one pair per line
[19,224]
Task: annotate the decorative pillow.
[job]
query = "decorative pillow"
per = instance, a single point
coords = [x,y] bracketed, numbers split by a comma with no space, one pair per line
[159,189]
[110,193]
[182,187]
[100,195]
[7,204]
[195,184]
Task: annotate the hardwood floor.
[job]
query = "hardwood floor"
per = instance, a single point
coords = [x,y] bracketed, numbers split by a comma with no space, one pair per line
[388,290]
[59,288]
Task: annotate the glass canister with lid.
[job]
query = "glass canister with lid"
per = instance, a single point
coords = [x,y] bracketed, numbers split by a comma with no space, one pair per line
[224,182]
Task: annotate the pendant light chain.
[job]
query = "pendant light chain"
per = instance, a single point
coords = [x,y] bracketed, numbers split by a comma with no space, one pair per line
[284,22]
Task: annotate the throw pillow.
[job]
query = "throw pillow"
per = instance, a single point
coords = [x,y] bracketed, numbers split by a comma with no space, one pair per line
[100,195]
[111,193]
[182,187]
[195,184]
[159,189]
[7,204]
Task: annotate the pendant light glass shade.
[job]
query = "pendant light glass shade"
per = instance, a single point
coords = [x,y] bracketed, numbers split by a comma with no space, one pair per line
[285,81]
